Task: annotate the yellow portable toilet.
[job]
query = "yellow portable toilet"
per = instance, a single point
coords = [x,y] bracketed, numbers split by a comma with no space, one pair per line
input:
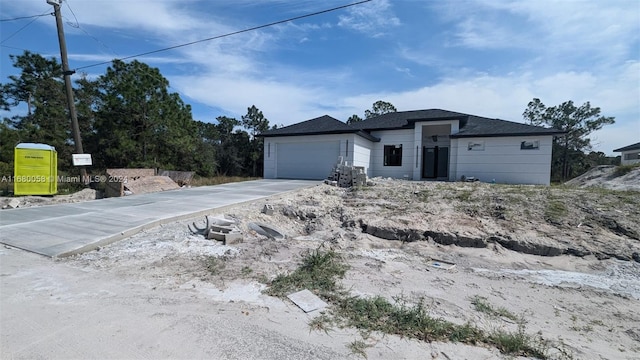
[35,169]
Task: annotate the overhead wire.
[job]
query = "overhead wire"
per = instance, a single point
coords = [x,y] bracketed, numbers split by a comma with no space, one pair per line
[22,28]
[23,17]
[230,34]
[13,47]
[77,26]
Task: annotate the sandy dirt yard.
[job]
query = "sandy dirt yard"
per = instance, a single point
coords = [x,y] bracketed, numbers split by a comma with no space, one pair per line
[562,264]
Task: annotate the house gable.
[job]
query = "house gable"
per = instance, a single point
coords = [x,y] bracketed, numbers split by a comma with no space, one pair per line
[318,126]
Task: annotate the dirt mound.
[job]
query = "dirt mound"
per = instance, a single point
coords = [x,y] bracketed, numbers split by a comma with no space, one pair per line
[548,257]
[30,201]
[609,177]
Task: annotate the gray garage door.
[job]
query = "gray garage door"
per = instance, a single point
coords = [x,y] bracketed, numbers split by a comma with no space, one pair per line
[313,160]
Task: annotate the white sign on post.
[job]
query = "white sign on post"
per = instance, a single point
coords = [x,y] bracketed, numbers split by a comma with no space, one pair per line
[81,159]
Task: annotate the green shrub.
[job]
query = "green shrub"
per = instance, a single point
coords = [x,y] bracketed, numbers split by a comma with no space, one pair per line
[624,169]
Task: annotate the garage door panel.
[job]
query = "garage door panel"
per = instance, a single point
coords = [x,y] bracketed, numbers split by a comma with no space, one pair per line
[313,160]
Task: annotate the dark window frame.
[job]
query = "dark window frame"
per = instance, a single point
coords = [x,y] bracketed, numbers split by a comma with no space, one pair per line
[393,155]
[632,156]
[530,145]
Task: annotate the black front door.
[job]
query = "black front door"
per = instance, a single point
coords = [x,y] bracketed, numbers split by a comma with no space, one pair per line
[435,162]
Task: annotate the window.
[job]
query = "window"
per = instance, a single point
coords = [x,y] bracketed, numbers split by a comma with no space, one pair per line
[393,155]
[632,156]
[476,146]
[530,145]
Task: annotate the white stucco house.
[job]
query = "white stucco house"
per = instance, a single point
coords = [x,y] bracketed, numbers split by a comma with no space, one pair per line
[630,154]
[416,145]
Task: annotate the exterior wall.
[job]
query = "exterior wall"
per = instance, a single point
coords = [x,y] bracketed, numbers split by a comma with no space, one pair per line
[630,157]
[453,160]
[270,158]
[499,159]
[404,137]
[351,149]
[502,160]
[362,153]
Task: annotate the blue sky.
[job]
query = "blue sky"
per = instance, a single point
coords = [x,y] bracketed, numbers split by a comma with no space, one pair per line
[487,58]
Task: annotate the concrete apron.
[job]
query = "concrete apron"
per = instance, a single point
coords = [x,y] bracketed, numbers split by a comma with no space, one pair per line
[69,229]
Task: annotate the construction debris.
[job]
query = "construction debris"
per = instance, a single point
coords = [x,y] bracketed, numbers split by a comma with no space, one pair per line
[441,264]
[182,178]
[307,301]
[220,229]
[266,230]
[344,175]
[267,209]
[13,204]
[468,179]
[121,182]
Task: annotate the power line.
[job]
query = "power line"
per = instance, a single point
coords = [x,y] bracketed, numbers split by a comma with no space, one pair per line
[22,28]
[24,17]
[77,26]
[13,47]
[231,33]
[74,16]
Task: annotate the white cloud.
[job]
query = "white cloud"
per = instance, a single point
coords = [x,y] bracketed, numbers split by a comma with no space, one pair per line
[404,70]
[371,18]
[235,72]
[103,58]
[149,15]
[282,102]
[290,101]
[556,31]
[487,34]
[506,97]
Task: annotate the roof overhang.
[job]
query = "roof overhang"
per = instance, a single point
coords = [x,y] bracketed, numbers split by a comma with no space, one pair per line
[628,148]
[360,133]
[546,133]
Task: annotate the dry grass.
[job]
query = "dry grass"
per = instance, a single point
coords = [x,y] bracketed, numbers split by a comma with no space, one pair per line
[320,272]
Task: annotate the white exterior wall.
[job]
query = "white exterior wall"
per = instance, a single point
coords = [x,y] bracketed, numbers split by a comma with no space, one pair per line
[503,160]
[453,160]
[270,158]
[352,149]
[629,162]
[362,153]
[393,137]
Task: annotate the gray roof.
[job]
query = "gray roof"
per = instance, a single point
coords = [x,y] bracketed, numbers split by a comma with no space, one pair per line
[477,126]
[635,146]
[319,126]
[470,125]
[406,119]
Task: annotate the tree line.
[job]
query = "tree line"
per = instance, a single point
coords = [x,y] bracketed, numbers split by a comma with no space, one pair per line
[127,118]
[572,153]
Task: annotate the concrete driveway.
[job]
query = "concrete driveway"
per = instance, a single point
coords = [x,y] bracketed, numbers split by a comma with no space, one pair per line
[68,229]
[62,310]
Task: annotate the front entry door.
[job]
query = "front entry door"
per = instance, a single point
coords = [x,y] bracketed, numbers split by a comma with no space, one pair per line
[435,162]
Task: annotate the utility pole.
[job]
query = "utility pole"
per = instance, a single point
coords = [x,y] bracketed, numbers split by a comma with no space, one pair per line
[67,83]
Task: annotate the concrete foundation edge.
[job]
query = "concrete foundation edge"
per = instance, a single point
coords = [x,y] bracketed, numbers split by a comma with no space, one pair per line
[130,232]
